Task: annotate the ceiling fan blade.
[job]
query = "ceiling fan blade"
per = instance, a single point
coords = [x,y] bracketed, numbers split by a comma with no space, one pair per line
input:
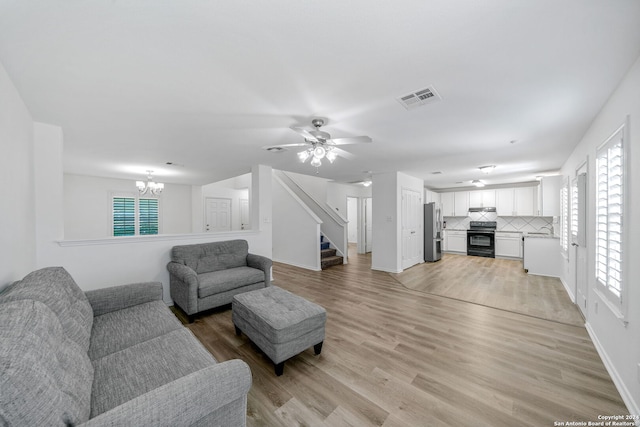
[305,133]
[340,152]
[299,144]
[352,140]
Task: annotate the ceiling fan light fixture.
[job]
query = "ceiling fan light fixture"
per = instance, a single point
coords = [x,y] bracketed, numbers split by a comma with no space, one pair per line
[331,156]
[477,183]
[304,155]
[319,152]
[487,169]
[366,183]
[315,162]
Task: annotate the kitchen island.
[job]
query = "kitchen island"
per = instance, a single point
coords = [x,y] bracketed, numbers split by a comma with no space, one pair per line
[542,254]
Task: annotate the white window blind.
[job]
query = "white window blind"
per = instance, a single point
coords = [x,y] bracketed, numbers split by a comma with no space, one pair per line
[609,216]
[564,205]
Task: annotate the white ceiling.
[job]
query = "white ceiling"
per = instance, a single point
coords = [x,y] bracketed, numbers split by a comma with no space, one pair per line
[206,84]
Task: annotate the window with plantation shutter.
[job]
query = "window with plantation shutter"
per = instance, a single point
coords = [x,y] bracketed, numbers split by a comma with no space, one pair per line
[133,216]
[148,214]
[610,194]
[564,217]
[124,216]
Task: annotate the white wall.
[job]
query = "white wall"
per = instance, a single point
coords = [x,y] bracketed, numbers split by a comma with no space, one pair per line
[234,189]
[337,194]
[296,230]
[619,345]
[17,213]
[115,261]
[87,206]
[352,217]
[387,227]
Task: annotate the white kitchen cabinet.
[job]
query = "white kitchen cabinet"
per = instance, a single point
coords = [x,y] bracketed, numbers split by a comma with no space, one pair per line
[508,245]
[542,256]
[431,196]
[461,203]
[456,241]
[447,201]
[505,202]
[525,201]
[549,195]
[482,198]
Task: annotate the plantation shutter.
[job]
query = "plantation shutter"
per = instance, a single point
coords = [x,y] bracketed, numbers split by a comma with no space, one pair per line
[609,216]
[148,213]
[564,202]
[124,216]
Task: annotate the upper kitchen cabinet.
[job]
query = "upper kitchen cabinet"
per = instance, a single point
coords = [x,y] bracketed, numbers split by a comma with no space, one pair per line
[525,201]
[505,202]
[461,203]
[482,199]
[448,202]
[549,195]
[431,196]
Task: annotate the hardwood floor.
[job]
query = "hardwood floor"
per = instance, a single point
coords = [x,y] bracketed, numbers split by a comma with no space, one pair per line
[395,356]
[499,283]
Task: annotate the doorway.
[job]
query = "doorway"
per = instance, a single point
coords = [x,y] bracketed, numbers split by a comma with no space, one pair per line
[217,215]
[360,227]
[578,236]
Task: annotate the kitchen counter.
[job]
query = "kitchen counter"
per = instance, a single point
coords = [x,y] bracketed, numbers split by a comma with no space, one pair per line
[542,255]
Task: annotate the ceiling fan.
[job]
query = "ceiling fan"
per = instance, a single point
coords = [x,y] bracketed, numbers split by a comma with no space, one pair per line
[320,145]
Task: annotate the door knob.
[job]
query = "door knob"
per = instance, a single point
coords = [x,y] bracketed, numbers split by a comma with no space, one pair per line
[575,244]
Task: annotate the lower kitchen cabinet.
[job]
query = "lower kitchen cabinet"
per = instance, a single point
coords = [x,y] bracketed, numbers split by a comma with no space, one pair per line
[456,241]
[508,245]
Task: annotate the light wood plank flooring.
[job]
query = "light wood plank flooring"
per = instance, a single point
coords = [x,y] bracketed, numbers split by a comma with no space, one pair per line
[499,283]
[394,356]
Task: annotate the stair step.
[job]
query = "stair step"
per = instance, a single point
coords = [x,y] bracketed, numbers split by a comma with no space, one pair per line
[326,253]
[332,260]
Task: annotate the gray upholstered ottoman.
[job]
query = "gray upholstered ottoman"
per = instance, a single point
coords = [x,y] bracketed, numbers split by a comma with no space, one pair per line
[280,323]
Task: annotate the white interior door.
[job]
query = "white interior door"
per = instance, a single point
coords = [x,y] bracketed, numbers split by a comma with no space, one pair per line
[412,220]
[368,224]
[352,217]
[578,237]
[245,218]
[217,215]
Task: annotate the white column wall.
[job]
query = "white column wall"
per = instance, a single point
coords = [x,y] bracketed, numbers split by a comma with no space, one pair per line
[17,191]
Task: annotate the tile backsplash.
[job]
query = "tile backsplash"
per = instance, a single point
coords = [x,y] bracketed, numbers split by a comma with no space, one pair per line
[505,223]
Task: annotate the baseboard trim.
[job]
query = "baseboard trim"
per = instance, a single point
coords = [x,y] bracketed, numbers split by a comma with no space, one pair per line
[627,398]
[568,289]
[306,267]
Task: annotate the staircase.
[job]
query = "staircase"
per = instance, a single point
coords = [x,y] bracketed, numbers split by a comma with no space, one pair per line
[328,255]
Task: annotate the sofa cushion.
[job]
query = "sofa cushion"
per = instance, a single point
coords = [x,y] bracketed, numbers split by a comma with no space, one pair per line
[225,280]
[54,287]
[136,370]
[207,257]
[117,330]
[45,378]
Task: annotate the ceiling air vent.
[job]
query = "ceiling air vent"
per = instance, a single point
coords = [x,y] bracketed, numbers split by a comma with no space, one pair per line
[419,97]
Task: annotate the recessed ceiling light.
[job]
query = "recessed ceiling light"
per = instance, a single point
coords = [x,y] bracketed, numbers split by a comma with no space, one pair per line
[487,169]
[436,173]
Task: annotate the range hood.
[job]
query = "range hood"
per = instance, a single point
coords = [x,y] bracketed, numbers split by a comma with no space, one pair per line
[491,209]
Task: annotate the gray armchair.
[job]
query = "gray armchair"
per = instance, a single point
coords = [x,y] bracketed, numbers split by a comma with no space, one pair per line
[208,275]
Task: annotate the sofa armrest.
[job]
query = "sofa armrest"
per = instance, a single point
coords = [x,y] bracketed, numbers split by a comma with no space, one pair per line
[262,263]
[186,400]
[115,298]
[184,273]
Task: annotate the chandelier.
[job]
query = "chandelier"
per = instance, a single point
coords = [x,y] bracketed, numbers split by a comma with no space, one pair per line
[316,153]
[150,186]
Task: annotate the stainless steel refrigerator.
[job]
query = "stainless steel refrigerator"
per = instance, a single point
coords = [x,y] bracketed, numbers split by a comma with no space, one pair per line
[432,232]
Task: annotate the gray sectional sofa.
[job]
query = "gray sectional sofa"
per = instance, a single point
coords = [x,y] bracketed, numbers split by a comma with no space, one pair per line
[110,357]
[208,275]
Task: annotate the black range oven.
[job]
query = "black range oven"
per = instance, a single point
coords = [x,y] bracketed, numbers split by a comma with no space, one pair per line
[481,239]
